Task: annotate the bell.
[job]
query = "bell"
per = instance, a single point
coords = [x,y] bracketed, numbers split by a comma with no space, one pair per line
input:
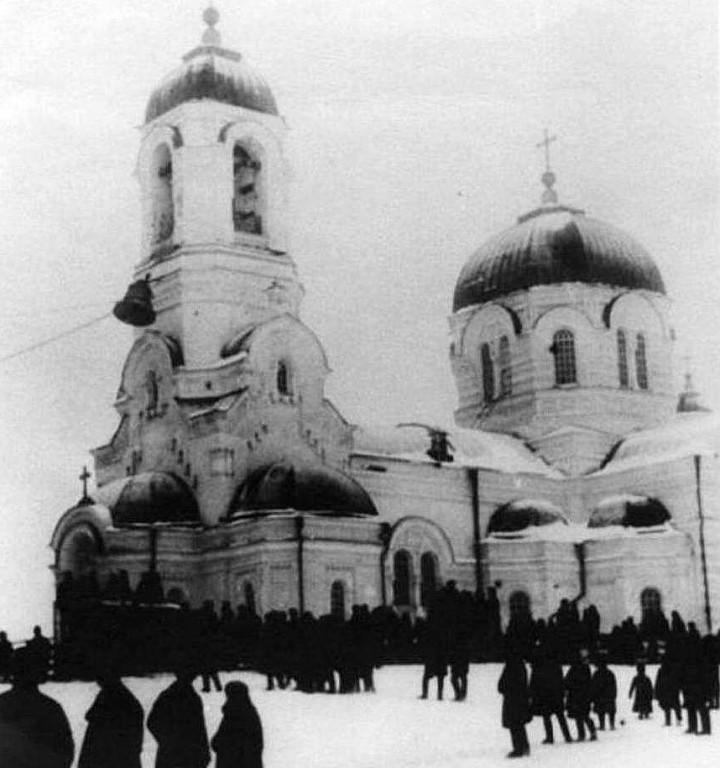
[136,307]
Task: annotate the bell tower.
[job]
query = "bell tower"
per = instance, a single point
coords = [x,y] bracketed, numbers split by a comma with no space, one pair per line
[212,177]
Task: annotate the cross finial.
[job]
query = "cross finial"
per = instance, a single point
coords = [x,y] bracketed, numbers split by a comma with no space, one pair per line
[211,16]
[548,178]
[687,359]
[84,477]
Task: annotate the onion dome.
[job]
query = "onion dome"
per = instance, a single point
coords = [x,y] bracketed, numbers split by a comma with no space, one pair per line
[523,513]
[301,487]
[553,244]
[629,511]
[210,72]
[154,497]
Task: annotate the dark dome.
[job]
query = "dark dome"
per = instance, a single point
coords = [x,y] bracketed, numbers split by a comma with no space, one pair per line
[155,497]
[301,487]
[555,244]
[521,514]
[215,74]
[630,512]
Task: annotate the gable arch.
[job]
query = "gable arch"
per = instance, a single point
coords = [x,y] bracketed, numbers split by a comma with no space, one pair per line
[151,345]
[491,321]
[637,311]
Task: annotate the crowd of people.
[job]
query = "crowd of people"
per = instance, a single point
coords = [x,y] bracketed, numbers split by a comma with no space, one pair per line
[331,654]
[686,678]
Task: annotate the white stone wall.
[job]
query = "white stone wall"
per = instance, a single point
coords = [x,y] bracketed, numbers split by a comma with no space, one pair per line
[597,403]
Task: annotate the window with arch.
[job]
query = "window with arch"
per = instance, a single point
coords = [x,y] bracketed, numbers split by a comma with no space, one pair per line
[246,195]
[249,596]
[402,570]
[563,348]
[79,553]
[641,373]
[175,595]
[505,369]
[488,373]
[623,376]
[519,605]
[650,602]
[428,578]
[283,378]
[163,210]
[337,600]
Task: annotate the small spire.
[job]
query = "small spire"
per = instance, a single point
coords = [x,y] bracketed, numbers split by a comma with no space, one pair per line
[211,16]
[548,178]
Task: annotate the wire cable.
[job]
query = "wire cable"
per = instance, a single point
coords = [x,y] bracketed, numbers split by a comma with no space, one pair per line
[51,339]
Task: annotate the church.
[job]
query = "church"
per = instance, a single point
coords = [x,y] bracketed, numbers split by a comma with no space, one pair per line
[573,472]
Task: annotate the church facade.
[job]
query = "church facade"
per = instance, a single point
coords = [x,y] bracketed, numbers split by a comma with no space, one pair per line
[572,472]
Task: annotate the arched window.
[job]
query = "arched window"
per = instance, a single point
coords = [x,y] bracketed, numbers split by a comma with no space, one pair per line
[488,373]
[79,553]
[175,595]
[519,605]
[337,599]
[428,578]
[249,595]
[641,374]
[505,369]
[163,211]
[246,197]
[401,578]
[622,359]
[284,381]
[650,603]
[563,348]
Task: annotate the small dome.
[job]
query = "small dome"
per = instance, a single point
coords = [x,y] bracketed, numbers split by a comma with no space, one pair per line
[555,244]
[210,72]
[155,497]
[523,513]
[629,511]
[301,487]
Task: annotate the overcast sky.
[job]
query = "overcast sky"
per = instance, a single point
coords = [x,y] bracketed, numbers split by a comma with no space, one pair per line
[413,132]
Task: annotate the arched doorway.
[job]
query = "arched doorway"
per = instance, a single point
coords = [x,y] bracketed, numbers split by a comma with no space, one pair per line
[428,578]
[519,605]
[402,582]
[337,600]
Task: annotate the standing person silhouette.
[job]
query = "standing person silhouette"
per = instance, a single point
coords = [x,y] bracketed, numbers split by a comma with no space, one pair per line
[114,734]
[177,722]
[239,739]
[513,685]
[34,731]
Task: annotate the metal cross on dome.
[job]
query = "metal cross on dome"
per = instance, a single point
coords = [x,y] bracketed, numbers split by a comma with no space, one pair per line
[546,142]
[548,178]
[84,477]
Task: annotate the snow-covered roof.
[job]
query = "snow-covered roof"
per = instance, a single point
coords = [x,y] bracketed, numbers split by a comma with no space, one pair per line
[686,434]
[576,533]
[469,447]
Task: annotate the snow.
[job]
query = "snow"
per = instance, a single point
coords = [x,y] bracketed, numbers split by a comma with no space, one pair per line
[470,448]
[687,434]
[393,729]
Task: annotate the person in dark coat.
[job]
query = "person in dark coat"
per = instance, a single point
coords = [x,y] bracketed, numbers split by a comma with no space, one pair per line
[239,739]
[667,690]
[34,731]
[6,657]
[114,734]
[547,693]
[513,685]
[577,685]
[603,694]
[177,722]
[642,688]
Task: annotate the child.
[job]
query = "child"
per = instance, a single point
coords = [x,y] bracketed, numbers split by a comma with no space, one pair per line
[643,689]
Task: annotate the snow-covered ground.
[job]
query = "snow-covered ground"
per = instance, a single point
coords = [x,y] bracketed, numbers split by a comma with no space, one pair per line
[393,729]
